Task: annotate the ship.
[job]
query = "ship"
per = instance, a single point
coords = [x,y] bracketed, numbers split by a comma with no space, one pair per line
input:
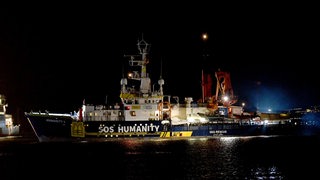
[7,125]
[144,110]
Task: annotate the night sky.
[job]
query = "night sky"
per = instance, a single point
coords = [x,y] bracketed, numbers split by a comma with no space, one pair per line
[53,56]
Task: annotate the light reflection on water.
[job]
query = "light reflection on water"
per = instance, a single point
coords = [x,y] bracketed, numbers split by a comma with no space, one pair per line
[173,158]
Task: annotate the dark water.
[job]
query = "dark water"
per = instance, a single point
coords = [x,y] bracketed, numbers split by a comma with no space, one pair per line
[193,158]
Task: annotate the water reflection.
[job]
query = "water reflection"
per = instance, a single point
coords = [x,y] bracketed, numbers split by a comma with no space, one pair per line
[172,158]
[266,173]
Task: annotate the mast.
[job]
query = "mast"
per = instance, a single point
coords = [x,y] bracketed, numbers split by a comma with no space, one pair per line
[202,85]
[145,82]
[143,48]
[145,85]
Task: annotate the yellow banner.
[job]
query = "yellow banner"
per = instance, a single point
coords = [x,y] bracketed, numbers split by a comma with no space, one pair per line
[77,129]
[135,107]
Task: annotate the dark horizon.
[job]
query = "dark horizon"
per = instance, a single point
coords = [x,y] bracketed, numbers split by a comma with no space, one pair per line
[53,59]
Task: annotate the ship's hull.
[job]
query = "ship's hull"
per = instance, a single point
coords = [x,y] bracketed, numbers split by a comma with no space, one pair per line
[236,129]
[65,128]
[62,128]
[117,128]
[50,127]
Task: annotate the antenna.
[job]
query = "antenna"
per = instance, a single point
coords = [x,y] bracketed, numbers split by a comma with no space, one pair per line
[161,81]
[123,70]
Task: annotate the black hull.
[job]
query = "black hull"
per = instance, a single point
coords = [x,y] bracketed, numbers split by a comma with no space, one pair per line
[48,127]
[122,128]
[64,128]
[249,130]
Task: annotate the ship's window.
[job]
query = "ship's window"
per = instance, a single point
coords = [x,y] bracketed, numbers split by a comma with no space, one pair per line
[120,113]
[133,113]
[145,101]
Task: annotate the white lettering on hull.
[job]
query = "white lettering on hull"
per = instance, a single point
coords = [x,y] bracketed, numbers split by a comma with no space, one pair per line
[55,120]
[127,129]
[219,132]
